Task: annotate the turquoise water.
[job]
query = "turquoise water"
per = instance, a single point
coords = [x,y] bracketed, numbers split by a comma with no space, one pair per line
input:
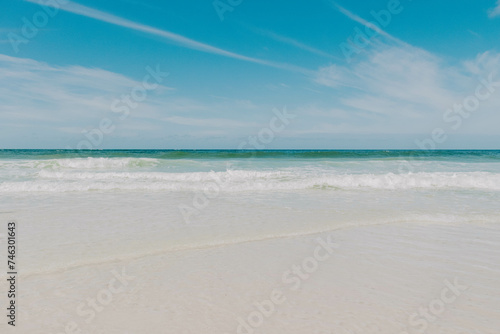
[241,154]
[152,201]
[30,171]
[405,221]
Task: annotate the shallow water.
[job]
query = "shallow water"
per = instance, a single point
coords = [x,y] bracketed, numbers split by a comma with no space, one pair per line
[234,220]
[79,207]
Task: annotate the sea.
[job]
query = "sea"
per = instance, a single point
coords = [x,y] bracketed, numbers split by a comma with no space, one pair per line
[78,207]
[201,239]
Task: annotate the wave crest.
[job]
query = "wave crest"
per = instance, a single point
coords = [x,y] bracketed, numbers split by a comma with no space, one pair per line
[249,180]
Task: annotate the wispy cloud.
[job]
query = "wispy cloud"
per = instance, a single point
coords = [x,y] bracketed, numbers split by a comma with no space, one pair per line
[208,122]
[62,101]
[474,33]
[494,12]
[178,39]
[393,90]
[367,24]
[399,87]
[37,91]
[293,42]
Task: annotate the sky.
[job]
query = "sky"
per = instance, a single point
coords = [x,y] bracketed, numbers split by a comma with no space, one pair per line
[205,74]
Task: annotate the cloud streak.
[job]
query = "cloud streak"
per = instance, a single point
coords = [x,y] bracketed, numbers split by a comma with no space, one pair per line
[293,42]
[180,40]
[48,106]
[367,24]
[494,12]
[406,89]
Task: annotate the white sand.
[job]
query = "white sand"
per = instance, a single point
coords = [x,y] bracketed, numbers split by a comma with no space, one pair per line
[380,279]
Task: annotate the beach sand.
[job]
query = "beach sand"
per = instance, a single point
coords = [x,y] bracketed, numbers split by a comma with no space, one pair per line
[393,278]
[218,243]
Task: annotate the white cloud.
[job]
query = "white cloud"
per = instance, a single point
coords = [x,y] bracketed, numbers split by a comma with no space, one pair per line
[330,76]
[409,75]
[487,62]
[394,79]
[56,93]
[183,41]
[60,102]
[494,12]
[367,24]
[392,90]
[293,42]
[208,122]
[407,90]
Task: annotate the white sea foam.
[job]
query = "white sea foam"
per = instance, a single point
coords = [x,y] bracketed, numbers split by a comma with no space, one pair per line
[83,219]
[98,163]
[249,180]
[80,163]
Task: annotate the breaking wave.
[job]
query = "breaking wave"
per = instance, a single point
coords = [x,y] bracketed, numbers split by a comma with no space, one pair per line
[48,180]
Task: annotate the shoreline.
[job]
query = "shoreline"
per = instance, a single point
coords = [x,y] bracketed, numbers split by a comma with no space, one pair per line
[226,282]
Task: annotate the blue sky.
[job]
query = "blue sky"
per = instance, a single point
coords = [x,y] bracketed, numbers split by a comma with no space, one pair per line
[67,65]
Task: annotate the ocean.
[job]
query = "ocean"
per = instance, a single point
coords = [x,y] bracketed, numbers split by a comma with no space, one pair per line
[87,209]
[234,195]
